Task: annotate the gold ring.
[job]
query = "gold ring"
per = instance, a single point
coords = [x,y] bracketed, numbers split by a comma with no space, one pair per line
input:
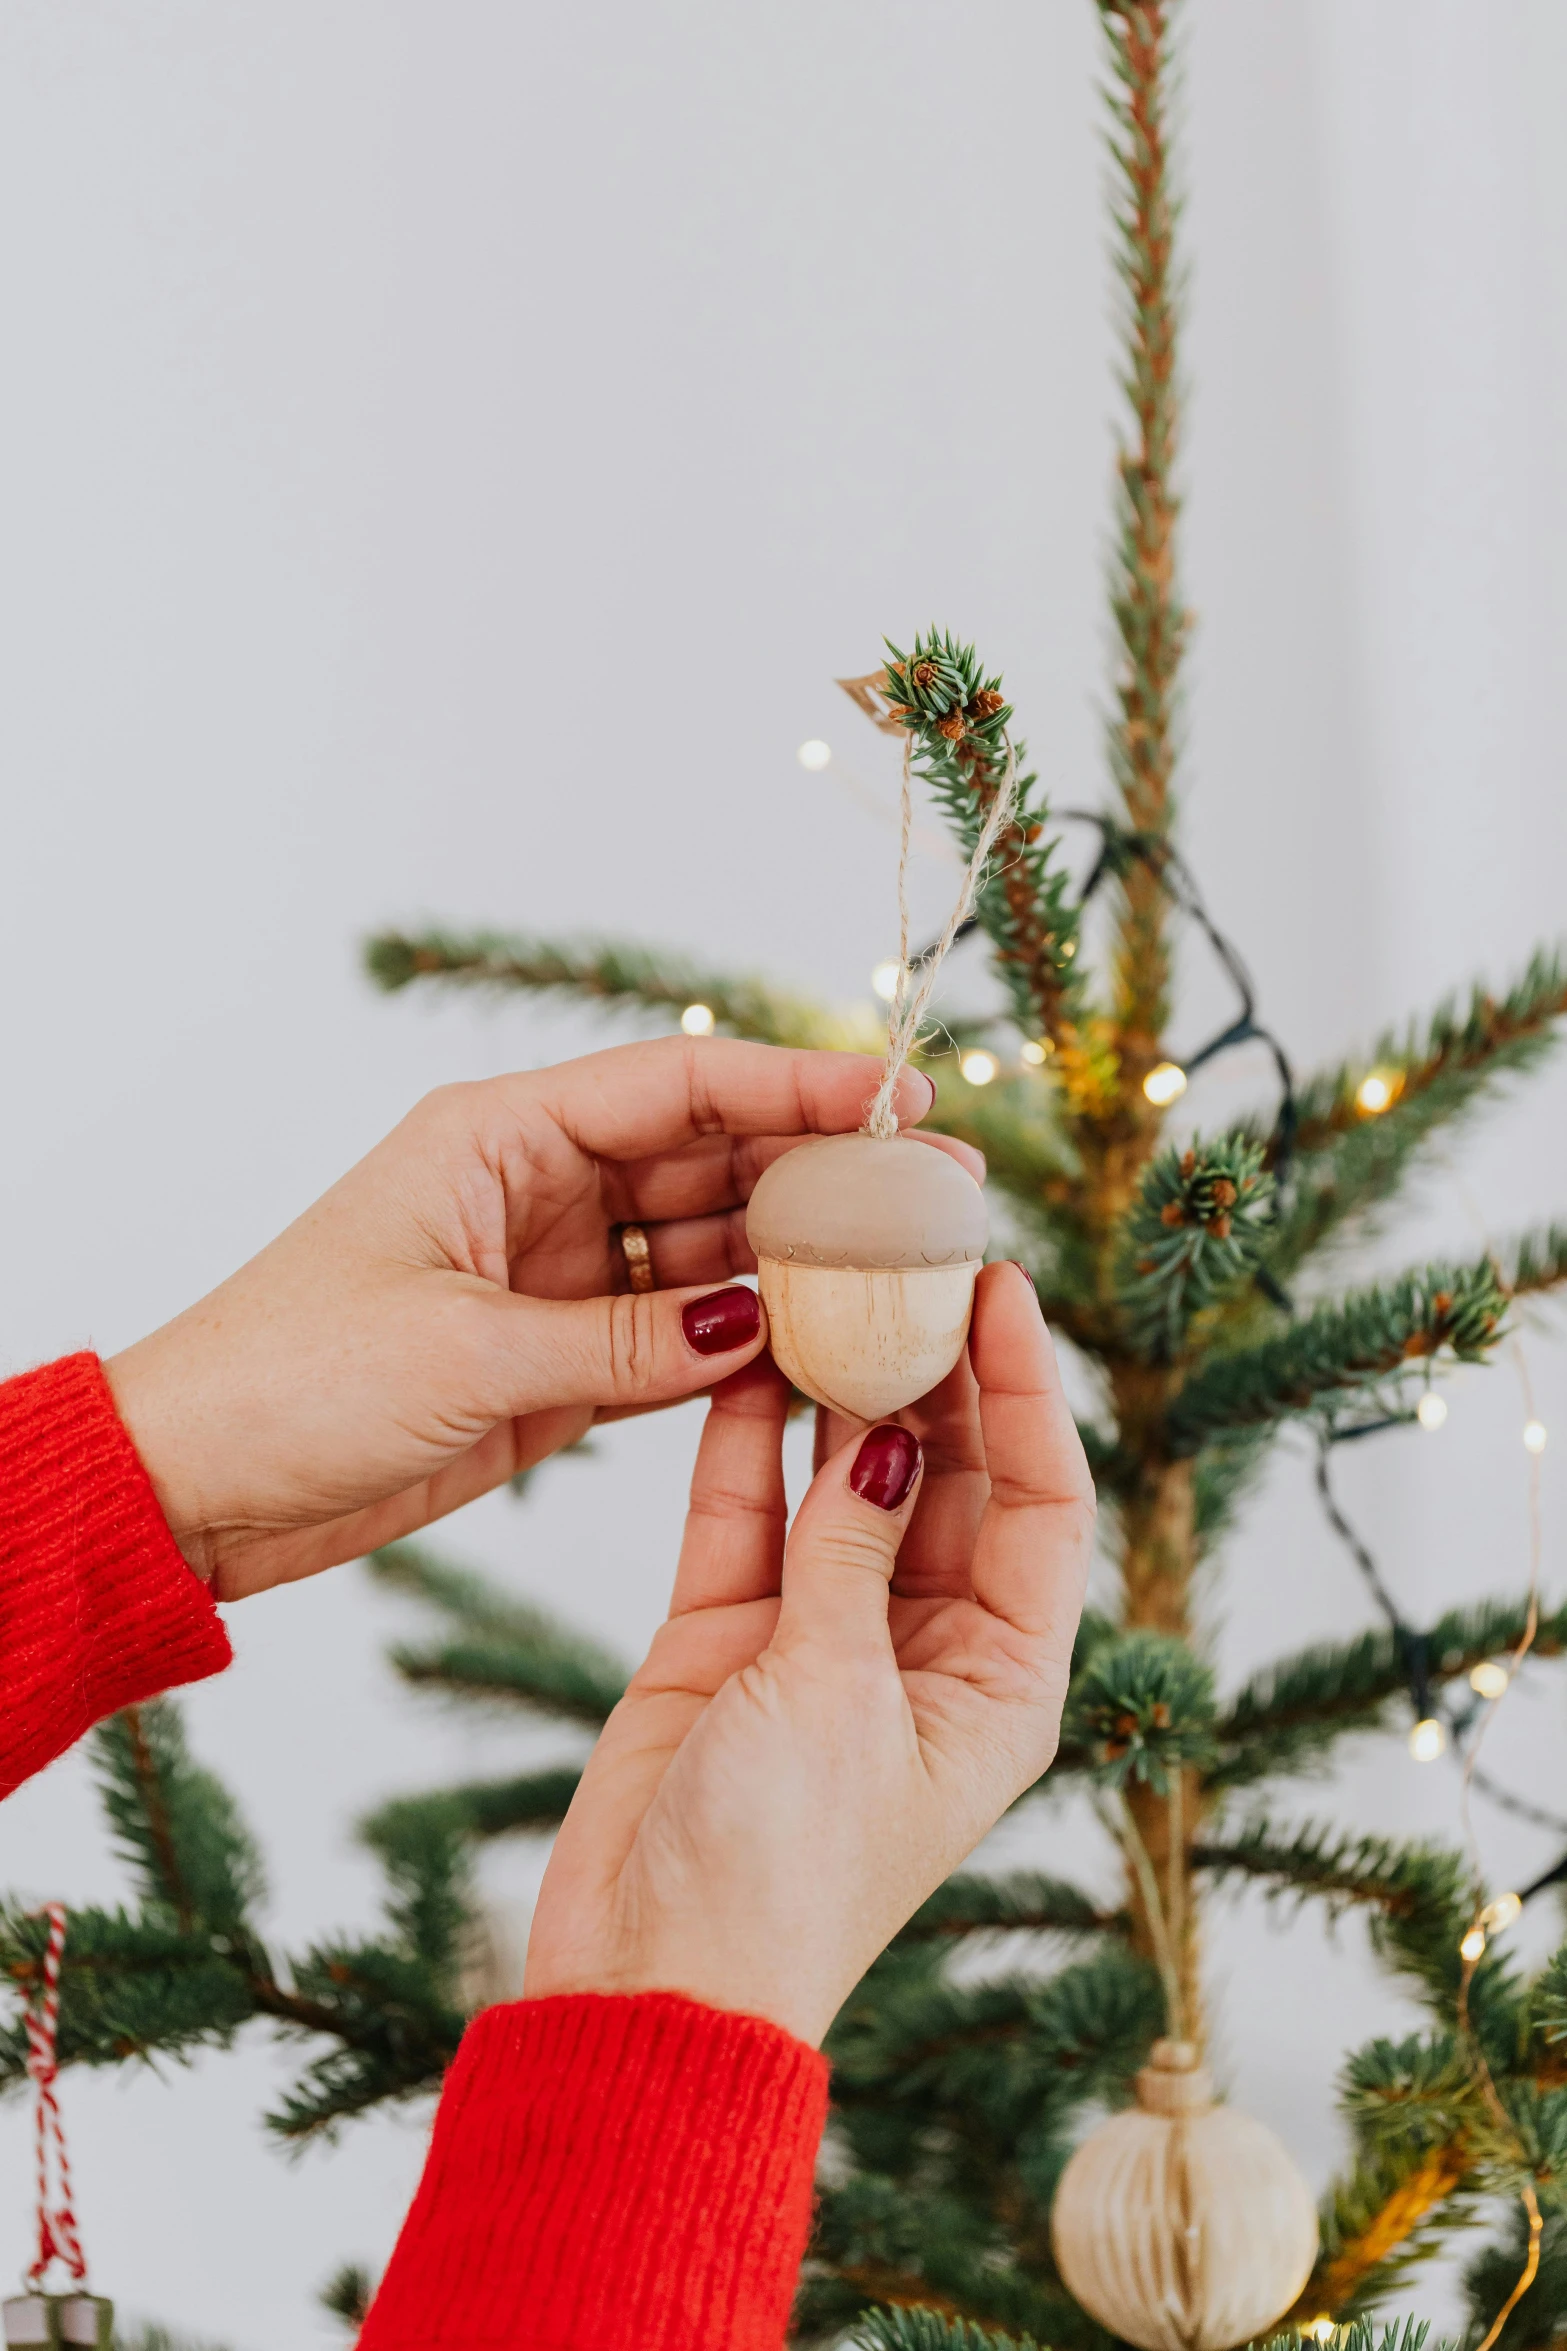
[638,1257]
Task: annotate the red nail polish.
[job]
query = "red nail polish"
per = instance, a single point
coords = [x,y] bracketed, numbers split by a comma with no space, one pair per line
[885,1467]
[1022,1268]
[722,1321]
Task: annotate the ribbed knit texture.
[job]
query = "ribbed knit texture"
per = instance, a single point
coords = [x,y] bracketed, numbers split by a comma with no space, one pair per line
[610,2174]
[97,1606]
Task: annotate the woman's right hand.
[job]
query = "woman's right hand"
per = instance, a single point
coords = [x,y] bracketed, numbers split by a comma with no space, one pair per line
[456,1307]
[826,1726]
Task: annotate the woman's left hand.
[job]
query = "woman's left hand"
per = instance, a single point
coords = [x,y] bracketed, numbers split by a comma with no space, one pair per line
[825,1727]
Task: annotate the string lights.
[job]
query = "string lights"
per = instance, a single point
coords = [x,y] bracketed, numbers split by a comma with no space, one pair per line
[1431,1411]
[979,1067]
[697,1020]
[1165,1083]
[1034,1052]
[884,979]
[1534,1436]
[1377,1091]
[814,754]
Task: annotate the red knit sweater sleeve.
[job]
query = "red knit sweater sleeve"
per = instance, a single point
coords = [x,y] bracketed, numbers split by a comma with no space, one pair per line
[610,2174]
[605,2174]
[97,1606]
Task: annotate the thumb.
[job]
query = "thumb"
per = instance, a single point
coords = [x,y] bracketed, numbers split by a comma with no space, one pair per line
[649,1347]
[844,1543]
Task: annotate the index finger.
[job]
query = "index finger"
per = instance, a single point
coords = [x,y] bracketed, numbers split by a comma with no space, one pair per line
[633,1100]
[1031,1558]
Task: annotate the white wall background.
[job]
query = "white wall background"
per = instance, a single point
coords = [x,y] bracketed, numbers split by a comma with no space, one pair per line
[446,455]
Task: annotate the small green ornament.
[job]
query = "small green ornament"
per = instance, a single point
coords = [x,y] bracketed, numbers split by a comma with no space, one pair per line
[58,2322]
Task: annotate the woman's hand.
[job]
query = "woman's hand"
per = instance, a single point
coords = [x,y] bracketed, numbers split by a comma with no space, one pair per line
[824,1728]
[444,1316]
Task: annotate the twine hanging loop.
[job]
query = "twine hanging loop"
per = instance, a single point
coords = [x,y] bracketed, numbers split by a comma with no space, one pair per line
[58,2236]
[909,1000]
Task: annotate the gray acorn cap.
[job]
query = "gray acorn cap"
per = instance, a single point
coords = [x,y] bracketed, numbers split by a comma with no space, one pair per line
[849,1200]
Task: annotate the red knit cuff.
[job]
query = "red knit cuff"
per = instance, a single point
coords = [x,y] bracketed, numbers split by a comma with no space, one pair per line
[98,1608]
[610,2174]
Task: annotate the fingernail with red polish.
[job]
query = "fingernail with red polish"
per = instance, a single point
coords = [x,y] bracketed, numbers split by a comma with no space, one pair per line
[722,1321]
[885,1467]
[1023,1269]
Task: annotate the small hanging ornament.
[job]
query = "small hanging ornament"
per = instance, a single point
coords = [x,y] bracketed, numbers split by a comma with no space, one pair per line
[36,2319]
[1181,2225]
[867,1253]
[868,1245]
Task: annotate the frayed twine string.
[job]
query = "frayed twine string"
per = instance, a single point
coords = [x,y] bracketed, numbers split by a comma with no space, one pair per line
[908,1005]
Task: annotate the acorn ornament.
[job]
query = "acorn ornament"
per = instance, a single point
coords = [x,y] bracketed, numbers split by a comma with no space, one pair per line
[1181,2225]
[867,1251]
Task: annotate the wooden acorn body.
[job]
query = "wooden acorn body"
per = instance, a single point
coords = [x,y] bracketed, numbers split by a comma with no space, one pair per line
[867,1253]
[1181,2225]
[58,2322]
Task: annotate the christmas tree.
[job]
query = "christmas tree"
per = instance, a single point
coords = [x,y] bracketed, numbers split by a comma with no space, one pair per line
[1190,1277]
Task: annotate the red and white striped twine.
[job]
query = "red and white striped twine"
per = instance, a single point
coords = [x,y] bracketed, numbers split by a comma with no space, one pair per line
[58,2238]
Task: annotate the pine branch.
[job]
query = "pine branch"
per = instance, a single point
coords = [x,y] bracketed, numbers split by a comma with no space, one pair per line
[1141,1708]
[1456,1056]
[534,1801]
[175,1825]
[1536,1262]
[131,1988]
[1195,1233]
[504,1650]
[1420,1901]
[1151,623]
[1023,1903]
[618,978]
[1540,2316]
[1222,1476]
[1357,1343]
[349,2293]
[892,2329]
[957,720]
[1289,1717]
[1390,2212]
[1012,2054]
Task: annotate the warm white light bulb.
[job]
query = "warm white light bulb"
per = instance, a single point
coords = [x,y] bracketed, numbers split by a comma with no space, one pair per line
[1428,1740]
[697,1020]
[1034,1051]
[1488,1679]
[1323,2329]
[1473,1945]
[1165,1083]
[1534,1435]
[1431,1410]
[1377,1090]
[1499,1915]
[814,754]
[979,1067]
[884,979]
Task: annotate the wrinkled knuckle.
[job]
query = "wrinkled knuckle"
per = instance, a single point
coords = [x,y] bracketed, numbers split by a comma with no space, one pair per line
[864,1546]
[630,1342]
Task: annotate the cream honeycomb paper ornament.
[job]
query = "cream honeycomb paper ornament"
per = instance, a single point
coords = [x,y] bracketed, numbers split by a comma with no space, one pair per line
[58,2322]
[868,1252]
[1181,2225]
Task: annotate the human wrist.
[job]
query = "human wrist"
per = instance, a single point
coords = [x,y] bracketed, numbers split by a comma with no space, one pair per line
[154,1406]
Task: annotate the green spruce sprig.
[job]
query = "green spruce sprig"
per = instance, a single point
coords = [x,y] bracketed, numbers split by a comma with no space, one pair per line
[1141,1708]
[1194,1236]
[1365,1342]
[957,718]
